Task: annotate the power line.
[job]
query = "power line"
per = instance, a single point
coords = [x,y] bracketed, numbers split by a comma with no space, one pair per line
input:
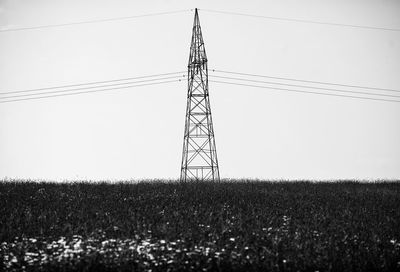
[91,87]
[93,91]
[95,21]
[157,77]
[300,20]
[89,83]
[308,92]
[308,87]
[216,81]
[307,81]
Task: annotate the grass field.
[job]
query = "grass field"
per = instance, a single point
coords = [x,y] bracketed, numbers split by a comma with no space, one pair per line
[226,226]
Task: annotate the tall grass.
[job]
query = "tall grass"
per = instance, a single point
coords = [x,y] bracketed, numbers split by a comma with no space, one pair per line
[231,225]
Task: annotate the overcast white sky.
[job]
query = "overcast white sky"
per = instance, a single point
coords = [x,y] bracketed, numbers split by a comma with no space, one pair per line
[138,133]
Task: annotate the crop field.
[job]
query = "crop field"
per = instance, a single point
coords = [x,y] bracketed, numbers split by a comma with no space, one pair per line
[200,226]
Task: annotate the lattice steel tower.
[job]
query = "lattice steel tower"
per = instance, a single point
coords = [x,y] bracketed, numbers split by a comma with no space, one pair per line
[199,157]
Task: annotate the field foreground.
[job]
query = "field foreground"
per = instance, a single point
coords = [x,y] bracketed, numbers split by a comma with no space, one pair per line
[227,226]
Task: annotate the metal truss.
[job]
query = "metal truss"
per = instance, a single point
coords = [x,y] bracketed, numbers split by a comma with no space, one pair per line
[199,157]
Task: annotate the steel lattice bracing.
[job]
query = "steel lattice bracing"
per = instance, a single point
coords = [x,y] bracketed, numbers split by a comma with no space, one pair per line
[199,158]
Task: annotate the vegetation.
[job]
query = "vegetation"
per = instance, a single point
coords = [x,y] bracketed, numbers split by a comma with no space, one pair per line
[226,226]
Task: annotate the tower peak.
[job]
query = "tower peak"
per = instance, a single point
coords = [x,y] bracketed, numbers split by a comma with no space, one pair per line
[197,50]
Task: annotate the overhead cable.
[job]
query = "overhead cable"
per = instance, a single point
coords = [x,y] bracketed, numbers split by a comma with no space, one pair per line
[89,83]
[301,20]
[90,87]
[92,91]
[300,91]
[307,81]
[94,21]
[303,86]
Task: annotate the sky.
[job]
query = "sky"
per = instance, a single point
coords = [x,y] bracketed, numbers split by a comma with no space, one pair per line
[137,133]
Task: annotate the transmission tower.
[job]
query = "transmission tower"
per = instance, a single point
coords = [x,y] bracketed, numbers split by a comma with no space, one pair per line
[199,157]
